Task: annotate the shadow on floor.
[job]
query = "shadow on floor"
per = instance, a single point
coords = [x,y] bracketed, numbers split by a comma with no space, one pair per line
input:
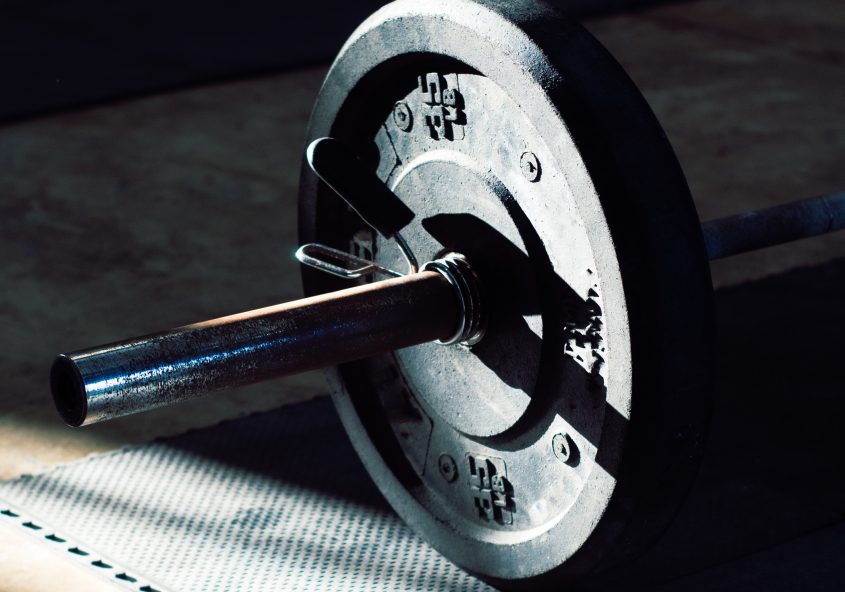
[775,465]
[774,468]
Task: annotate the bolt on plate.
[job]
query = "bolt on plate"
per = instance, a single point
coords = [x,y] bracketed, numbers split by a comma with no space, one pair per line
[530,166]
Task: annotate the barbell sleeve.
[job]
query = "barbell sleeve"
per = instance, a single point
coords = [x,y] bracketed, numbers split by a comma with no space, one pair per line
[156,370]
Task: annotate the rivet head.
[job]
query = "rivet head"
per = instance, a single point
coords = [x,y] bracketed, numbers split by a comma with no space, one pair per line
[530,166]
[447,467]
[565,449]
[402,116]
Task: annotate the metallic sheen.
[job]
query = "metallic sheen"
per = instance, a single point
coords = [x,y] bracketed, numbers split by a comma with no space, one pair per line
[147,372]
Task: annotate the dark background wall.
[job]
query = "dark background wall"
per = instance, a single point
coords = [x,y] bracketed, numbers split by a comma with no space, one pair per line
[59,54]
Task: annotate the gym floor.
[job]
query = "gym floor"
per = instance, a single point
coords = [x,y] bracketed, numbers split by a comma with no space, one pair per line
[138,215]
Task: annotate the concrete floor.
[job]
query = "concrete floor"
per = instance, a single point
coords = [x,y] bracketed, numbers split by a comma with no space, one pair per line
[135,216]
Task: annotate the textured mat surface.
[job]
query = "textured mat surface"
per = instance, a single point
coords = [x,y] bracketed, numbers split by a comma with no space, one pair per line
[274,501]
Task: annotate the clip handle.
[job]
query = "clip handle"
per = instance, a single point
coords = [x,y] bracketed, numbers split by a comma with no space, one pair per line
[339,263]
[339,168]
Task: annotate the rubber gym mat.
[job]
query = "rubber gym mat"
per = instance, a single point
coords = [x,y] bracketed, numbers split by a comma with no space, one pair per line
[272,501]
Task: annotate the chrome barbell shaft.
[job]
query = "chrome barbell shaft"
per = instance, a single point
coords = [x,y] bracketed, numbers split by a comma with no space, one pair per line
[785,223]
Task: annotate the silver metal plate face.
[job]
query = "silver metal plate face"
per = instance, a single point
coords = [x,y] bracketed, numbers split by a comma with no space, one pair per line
[503,436]
[526,458]
[455,160]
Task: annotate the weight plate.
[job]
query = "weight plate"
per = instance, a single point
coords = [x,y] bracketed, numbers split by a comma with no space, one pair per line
[560,445]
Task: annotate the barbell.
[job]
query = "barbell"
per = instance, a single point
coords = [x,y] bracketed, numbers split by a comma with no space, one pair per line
[509,290]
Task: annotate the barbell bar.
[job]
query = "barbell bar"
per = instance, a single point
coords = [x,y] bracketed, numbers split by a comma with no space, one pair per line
[143,373]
